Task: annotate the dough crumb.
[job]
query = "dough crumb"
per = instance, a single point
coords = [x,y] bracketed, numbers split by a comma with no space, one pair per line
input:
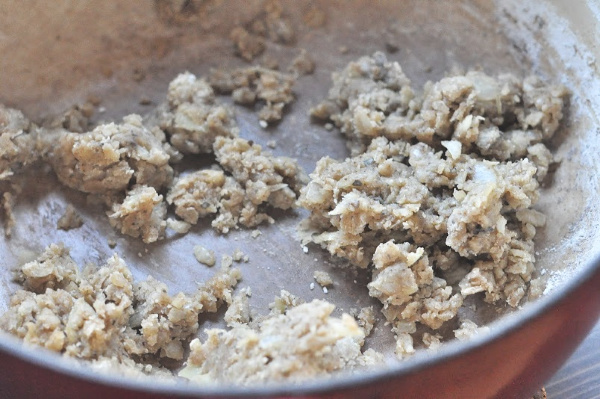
[469,329]
[252,85]
[283,302]
[257,179]
[141,214]
[178,226]
[238,255]
[303,64]
[129,152]
[204,255]
[192,117]
[366,319]
[75,119]
[247,45]
[238,311]
[432,341]
[226,261]
[303,343]
[70,219]
[101,315]
[18,147]
[323,278]
[8,201]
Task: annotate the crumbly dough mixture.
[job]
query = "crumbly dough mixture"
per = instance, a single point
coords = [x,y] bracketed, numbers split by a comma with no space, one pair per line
[302,343]
[323,278]
[268,87]
[441,180]
[19,147]
[192,117]
[249,181]
[111,157]
[18,142]
[503,118]
[129,165]
[100,314]
[141,214]
[271,24]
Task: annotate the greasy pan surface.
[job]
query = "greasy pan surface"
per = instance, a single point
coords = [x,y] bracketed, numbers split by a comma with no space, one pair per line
[101,49]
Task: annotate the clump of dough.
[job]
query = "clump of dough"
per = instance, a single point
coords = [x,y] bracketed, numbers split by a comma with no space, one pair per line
[99,314]
[112,157]
[303,64]
[362,95]
[53,269]
[502,119]
[257,179]
[468,329]
[141,214]
[238,311]
[167,322]
[18,138]
[303,343]
[271,23]
[253,85]
[461,206]
[192,117]
[18,148]
[404,281]
[204,255]
[323,278]
[265,178]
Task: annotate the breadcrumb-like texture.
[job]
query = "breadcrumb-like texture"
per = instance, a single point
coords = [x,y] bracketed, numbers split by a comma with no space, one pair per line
[7,202]
[303,64]
[404,281]
[362,95]
[212,192]
[451,204]
[99,314]
[250,85]
[112,157]
[247,45]
[239,311]
[192,117]
[19,147]
[303,343]
[266,179]
[271,23]
[468,329]
[167,322]
[141,214]
[75,119]
[84,319]
[323,278]
[437,180]
[17,142]
[53,269]
[257,180]
[503,118]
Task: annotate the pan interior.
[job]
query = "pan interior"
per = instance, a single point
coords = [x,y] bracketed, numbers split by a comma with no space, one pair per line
[126,52]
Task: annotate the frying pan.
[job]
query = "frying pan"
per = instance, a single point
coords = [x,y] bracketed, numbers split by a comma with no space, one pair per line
[56,54]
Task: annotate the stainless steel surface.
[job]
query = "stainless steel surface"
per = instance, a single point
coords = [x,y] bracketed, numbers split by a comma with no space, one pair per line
[102,48]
